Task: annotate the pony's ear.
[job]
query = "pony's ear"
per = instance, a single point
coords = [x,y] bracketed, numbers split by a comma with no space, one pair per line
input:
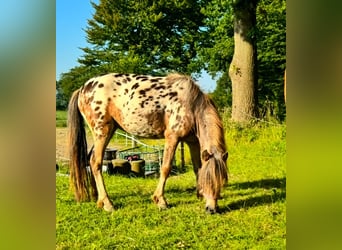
[205,155]
[225,156]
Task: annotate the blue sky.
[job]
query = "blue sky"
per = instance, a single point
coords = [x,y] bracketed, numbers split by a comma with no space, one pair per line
[71,21]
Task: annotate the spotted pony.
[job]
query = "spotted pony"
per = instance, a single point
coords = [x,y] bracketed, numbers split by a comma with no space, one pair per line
[171,107]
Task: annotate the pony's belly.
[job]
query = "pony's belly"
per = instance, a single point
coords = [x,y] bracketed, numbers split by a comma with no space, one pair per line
[149,126]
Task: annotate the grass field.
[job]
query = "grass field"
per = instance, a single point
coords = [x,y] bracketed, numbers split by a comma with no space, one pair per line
[252,209]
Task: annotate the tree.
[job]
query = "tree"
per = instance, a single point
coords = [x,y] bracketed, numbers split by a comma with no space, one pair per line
[151,37]
[75,78]
[222,95]
[61,101]
[270,37]
[156,37]
[242,70]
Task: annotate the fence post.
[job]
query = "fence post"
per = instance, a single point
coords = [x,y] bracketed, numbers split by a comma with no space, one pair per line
[182,156]
[134,143]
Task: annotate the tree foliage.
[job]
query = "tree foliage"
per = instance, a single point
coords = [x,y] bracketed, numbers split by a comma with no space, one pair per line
[151,37]
[156,37]
[271,43]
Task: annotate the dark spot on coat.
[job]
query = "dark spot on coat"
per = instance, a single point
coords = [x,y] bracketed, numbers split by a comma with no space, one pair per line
[128,79]
[118,75]
[174,126]
[90,99]
[101,85]
[160,87]
[97,108]
[144,78]
[155,80]
[90,86]
[98,102]
[136,85]
[126,91]
[118,83]
[142,92]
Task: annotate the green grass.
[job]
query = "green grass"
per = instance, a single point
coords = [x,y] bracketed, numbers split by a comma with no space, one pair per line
[61,118]
[252,209]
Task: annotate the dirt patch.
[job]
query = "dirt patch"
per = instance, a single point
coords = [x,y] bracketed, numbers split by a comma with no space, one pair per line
[62,144]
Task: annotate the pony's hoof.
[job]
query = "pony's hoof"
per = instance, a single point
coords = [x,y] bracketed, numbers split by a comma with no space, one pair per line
[162,206]
[108,209]
[210,210]
[161,203]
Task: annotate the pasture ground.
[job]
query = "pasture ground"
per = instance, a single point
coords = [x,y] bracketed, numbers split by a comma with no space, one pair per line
[252,209]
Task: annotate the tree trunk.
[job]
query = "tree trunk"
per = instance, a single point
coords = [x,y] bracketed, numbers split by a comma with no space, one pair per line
[242,70]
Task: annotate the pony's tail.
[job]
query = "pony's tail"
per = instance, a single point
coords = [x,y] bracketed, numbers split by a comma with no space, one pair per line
[80,177]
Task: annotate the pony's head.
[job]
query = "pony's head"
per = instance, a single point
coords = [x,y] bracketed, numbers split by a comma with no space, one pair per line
[211,177]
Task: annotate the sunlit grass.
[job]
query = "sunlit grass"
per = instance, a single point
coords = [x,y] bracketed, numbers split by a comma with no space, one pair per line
[252,211]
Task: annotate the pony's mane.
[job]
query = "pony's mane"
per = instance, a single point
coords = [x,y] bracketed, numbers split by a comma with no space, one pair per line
[201,105]
[215,124]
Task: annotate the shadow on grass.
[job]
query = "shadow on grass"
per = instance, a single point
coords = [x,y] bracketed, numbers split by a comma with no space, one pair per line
[263,183]
[277,185]
[245,201]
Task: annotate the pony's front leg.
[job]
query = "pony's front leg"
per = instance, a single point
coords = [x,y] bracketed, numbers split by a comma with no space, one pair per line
[169,152]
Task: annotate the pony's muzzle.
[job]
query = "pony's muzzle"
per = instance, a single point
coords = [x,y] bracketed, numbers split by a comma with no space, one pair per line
[211,206]
[210,210]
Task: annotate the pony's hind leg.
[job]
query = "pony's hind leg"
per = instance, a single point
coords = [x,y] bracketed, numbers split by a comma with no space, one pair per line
[101,140]
[195,158]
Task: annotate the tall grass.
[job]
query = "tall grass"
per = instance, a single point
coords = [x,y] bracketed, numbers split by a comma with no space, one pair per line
[252,209]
